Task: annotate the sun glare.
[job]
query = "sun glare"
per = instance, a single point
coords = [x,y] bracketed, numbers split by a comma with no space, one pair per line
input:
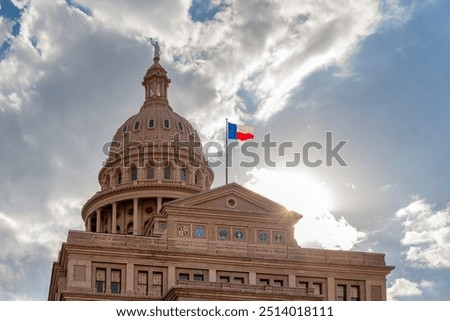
[297,191]
[301,192]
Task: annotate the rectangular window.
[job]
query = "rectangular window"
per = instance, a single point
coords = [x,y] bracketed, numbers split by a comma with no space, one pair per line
[100,280]
[183,276]
[317,288]
[263,282]
[341,295]
[198,277]
[224,279]
[278,282]
[142,282]
[239,280]
[354,293]
[157,283]
[303,285]
[115,281]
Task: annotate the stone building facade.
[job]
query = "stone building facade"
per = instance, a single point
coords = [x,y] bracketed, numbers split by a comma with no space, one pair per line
[157,231]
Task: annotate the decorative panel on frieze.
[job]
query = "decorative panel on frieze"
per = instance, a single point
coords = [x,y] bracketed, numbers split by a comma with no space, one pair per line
[223,233]
[199,231]
[279,237]
[184,230]
[239,234]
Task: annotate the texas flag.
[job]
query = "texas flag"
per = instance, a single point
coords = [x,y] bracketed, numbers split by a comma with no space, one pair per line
[240,132]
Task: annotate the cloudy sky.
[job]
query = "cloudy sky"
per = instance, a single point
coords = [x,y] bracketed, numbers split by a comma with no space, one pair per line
[374,73]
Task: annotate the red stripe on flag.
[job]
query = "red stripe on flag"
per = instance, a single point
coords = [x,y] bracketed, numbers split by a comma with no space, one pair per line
[244,136]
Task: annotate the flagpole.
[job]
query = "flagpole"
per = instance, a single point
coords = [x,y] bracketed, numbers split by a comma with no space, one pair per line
[226,151]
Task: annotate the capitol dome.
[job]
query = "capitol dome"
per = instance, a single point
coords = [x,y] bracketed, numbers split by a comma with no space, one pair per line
[155,156]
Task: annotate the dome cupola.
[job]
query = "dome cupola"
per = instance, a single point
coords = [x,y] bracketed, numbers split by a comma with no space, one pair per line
[155,157]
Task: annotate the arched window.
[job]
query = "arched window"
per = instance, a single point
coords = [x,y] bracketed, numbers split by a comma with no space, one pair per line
[134,174]
[130,228]
[180,126]
[183,174]
[167,172]
[119,178]
[166,123]
[137,125]
[197,178]
[150,172]
[151,123]
[107,181]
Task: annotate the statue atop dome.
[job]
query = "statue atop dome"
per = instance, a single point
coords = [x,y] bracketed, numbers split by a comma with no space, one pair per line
[157,50]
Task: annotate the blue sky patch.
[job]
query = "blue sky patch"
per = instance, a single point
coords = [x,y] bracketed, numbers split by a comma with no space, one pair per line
[203,10]
[9,11]
[80,7]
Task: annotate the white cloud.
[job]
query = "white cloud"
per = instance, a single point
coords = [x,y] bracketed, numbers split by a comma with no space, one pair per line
[307,196]
[20,3]
[404,288]
[5,28]
[29,245]
[62,70]
[265,47]
[426,234]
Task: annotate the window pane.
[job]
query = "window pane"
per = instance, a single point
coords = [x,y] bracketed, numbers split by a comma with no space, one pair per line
[167,172]
[278,282]
[143,282]
[263,281]
[224,279]
[341,293]
[198,277]
[239,280]
[142,277]
[100,280]
[150,172]
[134,174]
[183,276]
[157,283]
[303,285]
[115,275]
[317,288]
[115,287]
[354,290]
[100,275]
[115,281]
[100,286]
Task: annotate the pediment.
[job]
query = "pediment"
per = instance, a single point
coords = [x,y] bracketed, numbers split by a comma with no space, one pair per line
[231,197]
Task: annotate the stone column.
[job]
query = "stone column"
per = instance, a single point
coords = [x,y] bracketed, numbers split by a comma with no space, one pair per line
[99,216]
[292,282]
[331,293]
[158,204]
[88,223]
[129,286]
[212,276]
[252,278]
[171,277]
[135,216]
[114,218]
